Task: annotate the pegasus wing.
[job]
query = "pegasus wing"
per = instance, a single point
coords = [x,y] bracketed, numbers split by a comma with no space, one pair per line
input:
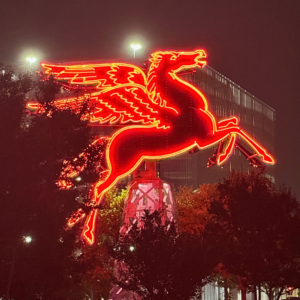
[96,76]
[120,105]
[125,104]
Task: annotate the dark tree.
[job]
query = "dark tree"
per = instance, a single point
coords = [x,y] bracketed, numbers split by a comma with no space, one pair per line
[157,262]
[31,155]
[257,227]
[92,268]
[193,207]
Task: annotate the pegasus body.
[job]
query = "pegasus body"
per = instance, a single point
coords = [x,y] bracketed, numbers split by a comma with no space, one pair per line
[162,115]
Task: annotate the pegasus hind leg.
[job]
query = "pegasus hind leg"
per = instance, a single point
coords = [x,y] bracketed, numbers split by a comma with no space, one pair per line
[123,156]
[101,187]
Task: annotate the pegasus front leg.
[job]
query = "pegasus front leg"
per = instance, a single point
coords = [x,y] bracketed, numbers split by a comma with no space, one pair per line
[229,127]
[221,154]
[222,133]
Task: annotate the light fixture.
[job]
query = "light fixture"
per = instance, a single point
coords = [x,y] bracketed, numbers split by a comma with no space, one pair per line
[31,60]
[27,239]
[135,47]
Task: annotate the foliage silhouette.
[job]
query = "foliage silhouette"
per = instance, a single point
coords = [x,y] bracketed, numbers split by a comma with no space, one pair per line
[31,155]
[157,262]
[257,226]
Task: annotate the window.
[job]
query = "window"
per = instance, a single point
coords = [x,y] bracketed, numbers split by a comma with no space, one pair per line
[269,113]
[257,106]
[248,101]
[236,94]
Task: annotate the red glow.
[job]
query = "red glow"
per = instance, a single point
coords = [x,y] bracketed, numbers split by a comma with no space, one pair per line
[77,216]
[153,107]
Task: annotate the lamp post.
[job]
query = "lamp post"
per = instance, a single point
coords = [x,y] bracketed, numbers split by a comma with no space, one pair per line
[26,239]
[31,60]
[135,47]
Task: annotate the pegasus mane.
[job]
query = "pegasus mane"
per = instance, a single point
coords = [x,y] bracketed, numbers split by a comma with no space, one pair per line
[154,86]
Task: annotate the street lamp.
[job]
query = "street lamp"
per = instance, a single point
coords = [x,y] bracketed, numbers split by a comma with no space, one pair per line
[135,47]
[31,60]
[27,239]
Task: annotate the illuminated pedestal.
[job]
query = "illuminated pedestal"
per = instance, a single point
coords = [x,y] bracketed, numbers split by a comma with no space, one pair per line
[147,192]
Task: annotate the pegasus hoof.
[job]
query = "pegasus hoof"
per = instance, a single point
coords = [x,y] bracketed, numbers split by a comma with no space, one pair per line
[211,162]
[268,159]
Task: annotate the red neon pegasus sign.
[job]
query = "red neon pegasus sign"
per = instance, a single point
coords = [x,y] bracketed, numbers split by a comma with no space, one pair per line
[162,116]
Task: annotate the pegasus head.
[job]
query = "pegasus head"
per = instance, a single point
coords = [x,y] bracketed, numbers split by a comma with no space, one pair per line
[175,61]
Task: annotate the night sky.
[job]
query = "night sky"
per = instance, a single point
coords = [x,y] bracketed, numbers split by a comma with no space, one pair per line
[255,43]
